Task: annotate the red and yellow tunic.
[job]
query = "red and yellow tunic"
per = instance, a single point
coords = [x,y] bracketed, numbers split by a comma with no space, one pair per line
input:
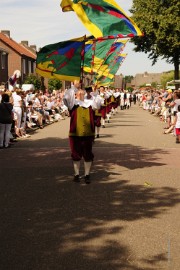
[82,122]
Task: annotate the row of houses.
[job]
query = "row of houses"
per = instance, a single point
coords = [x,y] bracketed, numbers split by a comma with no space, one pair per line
[15,56]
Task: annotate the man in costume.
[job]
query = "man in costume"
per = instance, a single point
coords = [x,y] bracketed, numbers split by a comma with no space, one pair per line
[82,130]
[97,113]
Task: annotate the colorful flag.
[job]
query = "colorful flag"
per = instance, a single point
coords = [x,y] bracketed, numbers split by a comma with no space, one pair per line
[112,58]
[62,60]
[104,81]
[110,69]
[98,53]
[95,52]
[102,18]
[114,67]
[106,77]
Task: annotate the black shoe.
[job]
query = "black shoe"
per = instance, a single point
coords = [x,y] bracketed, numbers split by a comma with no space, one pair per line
[76,178]
[108,121]
[87,179]
[8,146]
[13,140]
[97,136]
[103,126]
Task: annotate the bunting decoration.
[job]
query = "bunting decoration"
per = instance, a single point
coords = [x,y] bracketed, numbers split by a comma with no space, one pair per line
[102,18]
[61,60]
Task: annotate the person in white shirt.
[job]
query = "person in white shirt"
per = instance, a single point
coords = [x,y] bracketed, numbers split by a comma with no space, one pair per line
[17,109]
[177,125]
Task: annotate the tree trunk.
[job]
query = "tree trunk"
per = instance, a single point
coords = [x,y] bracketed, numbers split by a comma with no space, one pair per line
[176,69]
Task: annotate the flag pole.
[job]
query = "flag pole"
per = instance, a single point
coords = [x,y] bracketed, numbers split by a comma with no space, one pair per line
[112,37]
[82,62]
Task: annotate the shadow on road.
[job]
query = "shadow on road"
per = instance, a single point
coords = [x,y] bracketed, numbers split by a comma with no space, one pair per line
[48,222]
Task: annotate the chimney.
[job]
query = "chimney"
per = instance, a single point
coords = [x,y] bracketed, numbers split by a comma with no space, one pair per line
[24,42]
[6,32]
[33,47]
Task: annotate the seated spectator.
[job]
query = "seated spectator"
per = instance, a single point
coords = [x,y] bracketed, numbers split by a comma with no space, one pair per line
[34,117]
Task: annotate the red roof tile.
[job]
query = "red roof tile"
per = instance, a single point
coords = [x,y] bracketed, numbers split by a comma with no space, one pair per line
[16,47]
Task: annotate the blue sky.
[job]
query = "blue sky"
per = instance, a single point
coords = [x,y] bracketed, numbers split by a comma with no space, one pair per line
[42,22]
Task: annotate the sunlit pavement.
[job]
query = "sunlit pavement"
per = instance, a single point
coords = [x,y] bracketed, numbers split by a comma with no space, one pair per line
[127,218]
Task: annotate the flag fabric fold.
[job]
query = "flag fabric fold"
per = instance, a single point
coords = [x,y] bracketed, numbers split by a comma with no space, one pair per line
[112,58]
[98,57]
[61,60]
[102,18]
[95,52]
[107,75]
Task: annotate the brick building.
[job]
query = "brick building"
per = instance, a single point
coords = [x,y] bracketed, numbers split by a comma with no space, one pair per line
[145,78]
[118,81]
[15,56]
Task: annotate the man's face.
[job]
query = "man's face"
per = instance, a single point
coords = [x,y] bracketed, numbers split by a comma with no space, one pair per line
[80,95]
[101,89]
[77,84]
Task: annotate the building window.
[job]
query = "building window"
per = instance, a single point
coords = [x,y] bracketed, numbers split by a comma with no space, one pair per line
[24,66]
[34,67]
[3,60]
[29,67]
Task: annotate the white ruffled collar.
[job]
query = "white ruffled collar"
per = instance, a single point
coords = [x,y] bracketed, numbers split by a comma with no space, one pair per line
[86,103]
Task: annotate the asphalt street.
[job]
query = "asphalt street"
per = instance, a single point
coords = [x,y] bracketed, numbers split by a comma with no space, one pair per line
[128,218]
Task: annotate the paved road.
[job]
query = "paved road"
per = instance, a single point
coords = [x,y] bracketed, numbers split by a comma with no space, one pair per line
[128,218]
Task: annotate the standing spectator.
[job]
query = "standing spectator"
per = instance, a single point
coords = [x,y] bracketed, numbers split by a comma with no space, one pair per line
[134,98]
[177,125]
[6,120]
[167,110]
[174,108]
[17,109]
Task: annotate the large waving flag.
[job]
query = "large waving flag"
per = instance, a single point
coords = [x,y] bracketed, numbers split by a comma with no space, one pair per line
[95,52]
[99,53]
[102,18]
[61,60]
[113,57]
[104,81]
[107,75]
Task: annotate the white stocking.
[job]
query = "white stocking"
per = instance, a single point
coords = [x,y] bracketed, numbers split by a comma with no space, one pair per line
[76,165]
[87,167]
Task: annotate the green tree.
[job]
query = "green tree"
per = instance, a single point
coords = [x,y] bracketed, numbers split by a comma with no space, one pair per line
[130,89]
[33,79]
[166,77]
[154,84]
[128,78]
[54,84]
[159,20]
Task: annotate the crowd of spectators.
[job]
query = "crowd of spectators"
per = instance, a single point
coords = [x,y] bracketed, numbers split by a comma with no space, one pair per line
[164,104]
[36,109]
[33,109]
